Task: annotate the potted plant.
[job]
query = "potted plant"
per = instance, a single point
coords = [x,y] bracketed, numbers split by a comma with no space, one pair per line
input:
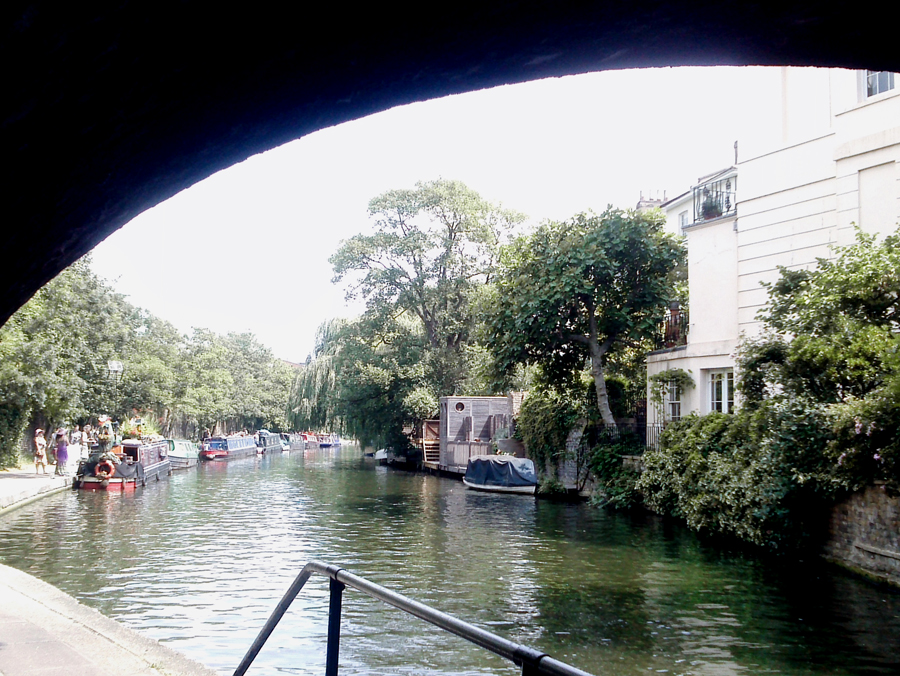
[711,208]
[507,446]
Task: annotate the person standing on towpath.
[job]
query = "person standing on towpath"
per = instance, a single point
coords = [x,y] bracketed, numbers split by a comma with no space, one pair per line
[62,452]
[40,451]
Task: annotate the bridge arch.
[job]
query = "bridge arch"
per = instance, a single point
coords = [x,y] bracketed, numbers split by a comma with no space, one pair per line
[113,108]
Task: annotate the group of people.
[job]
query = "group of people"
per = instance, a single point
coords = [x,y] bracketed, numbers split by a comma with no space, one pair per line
[65,448]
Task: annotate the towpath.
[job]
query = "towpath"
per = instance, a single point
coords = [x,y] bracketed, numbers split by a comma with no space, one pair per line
[21,486]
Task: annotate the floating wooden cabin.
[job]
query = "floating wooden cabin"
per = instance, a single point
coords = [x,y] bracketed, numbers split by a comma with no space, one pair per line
[467,426]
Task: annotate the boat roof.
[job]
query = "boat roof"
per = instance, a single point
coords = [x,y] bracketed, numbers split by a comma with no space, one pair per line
[499,459]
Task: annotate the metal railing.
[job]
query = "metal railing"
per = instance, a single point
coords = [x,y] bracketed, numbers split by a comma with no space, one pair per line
[532,661]
[640,435]
[673,330]
[715,199]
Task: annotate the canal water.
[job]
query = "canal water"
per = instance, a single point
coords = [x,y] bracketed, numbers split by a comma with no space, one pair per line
[198,561]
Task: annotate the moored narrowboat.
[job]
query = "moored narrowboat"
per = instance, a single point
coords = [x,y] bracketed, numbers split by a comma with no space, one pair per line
[227,448]
[125,466]
[296,441]
[269,442]
[182,454]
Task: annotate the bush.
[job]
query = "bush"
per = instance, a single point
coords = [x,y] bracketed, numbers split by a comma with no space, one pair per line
[760,475]
[821,408]
[616,483]
[551,486]
[545,420]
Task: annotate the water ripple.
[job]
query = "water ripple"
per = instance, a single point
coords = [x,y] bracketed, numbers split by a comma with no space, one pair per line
[199,561]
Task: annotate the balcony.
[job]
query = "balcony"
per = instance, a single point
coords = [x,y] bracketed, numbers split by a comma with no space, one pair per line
[674,329]
[715,199]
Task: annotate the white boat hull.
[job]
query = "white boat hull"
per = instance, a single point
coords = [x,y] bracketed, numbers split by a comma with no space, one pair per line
[525,490]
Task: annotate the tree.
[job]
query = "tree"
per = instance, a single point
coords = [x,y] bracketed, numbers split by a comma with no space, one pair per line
[830,330]
[432,248]
[368,380]
[831,342]
[575,292]
[311,402]
[53,366]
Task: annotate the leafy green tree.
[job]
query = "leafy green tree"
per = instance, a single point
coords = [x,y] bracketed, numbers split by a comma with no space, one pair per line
[312,397]
[432,248]
[50,351]
[206,390]
[368,380]
[152,362]
[832,340]
[580,291]
[53,367]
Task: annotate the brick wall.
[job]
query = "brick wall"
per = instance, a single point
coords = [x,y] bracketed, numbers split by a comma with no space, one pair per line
[864,534]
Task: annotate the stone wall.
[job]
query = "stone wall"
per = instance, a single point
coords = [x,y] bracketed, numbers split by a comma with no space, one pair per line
[864,534]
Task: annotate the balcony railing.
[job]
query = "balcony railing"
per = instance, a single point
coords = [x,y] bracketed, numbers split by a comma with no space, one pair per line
[639,436]
[674,330]
[715,199]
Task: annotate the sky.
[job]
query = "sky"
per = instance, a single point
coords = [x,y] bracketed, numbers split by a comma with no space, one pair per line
[550,149]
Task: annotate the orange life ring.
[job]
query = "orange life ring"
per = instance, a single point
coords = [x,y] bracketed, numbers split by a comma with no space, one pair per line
[104,469]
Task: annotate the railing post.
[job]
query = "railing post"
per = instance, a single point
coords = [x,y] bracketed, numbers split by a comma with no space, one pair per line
[334,628]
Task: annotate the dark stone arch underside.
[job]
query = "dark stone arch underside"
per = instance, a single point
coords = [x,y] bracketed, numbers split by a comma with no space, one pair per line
[112,107]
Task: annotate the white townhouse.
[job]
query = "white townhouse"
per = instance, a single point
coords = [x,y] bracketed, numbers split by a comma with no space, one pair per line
[834,165]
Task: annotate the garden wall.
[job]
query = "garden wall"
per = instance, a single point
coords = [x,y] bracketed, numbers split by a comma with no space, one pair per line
[864,534]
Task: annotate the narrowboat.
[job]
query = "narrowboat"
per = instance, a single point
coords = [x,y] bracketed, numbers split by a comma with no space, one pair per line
[182,454]
[227,448]
[125,466]
[326,440]
[295,441]
[269,442]
[310,440]
[500,474]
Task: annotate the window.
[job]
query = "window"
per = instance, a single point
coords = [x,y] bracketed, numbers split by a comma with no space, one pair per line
[673,402]
[721,391]
[878,82]
[683,220]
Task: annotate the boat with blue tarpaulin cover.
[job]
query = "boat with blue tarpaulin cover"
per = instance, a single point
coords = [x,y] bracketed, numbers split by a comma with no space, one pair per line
[500,474]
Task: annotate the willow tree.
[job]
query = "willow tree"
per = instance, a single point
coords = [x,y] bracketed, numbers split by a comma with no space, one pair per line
[575,292]
[368,380]
[311,402]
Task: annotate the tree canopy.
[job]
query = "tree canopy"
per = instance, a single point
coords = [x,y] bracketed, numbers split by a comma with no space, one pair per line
[368,380]
[423,273]
[53,367]
[577,292]
[432,248]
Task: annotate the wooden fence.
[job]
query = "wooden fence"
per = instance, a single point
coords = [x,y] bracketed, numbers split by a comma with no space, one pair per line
[455,454]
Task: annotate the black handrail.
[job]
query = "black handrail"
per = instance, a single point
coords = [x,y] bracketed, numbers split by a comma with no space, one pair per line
[532,661]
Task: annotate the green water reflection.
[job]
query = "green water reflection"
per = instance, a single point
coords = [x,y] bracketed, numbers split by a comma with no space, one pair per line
[199,561]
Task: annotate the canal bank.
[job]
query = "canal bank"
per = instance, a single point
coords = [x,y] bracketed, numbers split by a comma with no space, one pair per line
[45,631]
[18,487]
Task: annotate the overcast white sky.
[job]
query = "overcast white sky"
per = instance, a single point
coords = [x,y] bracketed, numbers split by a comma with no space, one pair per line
[550,149]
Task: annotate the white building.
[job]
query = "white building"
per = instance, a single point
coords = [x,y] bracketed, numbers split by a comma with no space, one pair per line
[835,164]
